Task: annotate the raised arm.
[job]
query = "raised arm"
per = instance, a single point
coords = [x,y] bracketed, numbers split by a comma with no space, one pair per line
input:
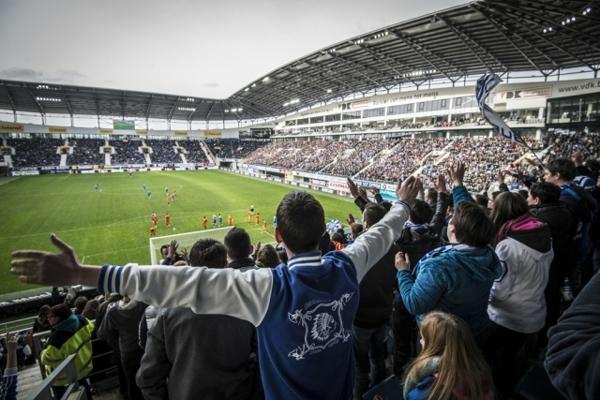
[459,192]
[439,218]
[373,244]
[206,291]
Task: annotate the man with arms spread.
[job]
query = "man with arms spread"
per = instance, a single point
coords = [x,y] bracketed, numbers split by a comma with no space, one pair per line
[303,311]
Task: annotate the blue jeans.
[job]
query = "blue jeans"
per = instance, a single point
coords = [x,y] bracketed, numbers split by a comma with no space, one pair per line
[369,351]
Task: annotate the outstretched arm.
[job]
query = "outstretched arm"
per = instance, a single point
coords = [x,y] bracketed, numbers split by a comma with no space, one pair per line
[373,244]
[206,291]
[460,192]
[439,218]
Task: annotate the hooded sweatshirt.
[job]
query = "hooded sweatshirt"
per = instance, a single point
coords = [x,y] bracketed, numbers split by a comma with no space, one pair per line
[517,300]
[455,279]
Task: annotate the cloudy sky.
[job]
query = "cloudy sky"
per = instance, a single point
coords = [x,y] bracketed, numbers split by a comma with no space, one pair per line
[184,47]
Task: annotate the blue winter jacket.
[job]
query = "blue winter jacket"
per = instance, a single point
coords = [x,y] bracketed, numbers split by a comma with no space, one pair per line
[455,279]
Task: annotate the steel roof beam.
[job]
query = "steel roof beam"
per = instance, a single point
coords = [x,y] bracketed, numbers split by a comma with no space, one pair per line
[559,28]
[212,105]
[346,61]
[414,46]
[459,32]
[559,10]
[500,27]
[10,98]
[37,103]
[148,107]
[554,44]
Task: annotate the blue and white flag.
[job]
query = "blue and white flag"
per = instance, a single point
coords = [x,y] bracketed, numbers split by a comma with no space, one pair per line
[485,85]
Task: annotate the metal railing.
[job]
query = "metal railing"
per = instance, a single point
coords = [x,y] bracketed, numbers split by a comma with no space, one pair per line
[100,378]
[18,325]
[73,390]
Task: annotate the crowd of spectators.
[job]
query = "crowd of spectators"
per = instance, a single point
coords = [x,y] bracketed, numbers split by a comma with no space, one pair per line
[477,298]
[358,157]
[86,152]
[127,152]
[35,152]
[233,148]
[163,151]
[588,144]
[403,159]
[194,154]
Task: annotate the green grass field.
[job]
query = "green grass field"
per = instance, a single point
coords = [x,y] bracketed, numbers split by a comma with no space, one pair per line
[112,226]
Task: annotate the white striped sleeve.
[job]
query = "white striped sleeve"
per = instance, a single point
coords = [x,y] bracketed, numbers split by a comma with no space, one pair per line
[244,295]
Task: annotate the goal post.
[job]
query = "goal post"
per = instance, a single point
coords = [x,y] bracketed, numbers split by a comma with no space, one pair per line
[185,240]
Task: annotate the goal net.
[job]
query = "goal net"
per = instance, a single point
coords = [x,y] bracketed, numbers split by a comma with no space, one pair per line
[185,240]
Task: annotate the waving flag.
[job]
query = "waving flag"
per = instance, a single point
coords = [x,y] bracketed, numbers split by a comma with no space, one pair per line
[485,85]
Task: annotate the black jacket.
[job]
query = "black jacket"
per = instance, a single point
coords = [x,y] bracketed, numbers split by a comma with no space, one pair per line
[377,292]
[573,355]
[417,242]
[120,326]
[563,227]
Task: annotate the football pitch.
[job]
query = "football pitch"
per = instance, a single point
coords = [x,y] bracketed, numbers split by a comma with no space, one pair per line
[112,225]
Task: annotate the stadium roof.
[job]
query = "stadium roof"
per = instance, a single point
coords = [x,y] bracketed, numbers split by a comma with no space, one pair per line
[486,35]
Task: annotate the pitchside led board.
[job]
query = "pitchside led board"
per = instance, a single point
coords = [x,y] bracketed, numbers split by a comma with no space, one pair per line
[123,125]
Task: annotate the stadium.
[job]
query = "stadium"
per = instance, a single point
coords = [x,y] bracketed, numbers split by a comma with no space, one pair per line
[398,192]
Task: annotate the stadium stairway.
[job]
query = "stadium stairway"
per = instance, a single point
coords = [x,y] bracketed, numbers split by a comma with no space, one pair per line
[28,379]
[384,153]
[209,155]
[181,153]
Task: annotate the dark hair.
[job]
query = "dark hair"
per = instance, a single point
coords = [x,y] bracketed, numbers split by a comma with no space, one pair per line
[208,253]
[594,166]
[373,213]
[421,212]
[80,303]
[282,256]
[324,244]
[300,221]
[524,193]
[473,227]
[507,206]
[564,167]
[357,230]
[338,237]
[267,257]
[386,204]
[43,312]
[90,311]
[431,195]
[163,247]
[481,200]
[546,192]
[238,244]
[61,311]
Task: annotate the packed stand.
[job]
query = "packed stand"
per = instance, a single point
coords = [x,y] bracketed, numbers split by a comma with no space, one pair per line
[438,295]
[127,152]
[35,152]
[195,154]
[364,150]
[233,148]
[403,159]
[163,152]
[86,152]
[484,156]
[588,144]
